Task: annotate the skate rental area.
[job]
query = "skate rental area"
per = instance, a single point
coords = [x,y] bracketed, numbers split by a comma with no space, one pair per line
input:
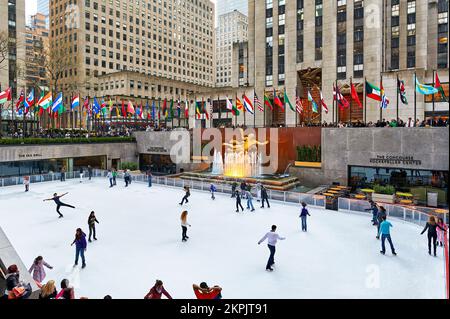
[139,241]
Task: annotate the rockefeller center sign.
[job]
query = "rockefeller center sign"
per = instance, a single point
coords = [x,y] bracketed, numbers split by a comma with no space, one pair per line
[395,160]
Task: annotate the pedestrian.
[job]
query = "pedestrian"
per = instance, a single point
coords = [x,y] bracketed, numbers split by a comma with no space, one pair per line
[233,189]
[431,226]
[238,201]
[89,172]
[186,195]
[212,189]
[157,291]
[81,174]
[26,182]
[250,200]
[48,291]
[127,178]
[114,175]
[258,192]
[205,292]
[66,292]
[440,233]
[63,174]
[381,213]
[149,176]
[59,204]
[16,288]
[303,215]
[374,209]
[37,268]
[264,196]
[385,233]
[272,238]
[80,247]
[184,226]
[110,177]
[91,222]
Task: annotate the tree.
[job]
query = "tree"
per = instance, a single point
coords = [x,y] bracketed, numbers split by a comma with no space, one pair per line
[4,48]
[57,63]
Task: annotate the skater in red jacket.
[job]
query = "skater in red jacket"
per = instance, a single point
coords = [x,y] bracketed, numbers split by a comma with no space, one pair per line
[157,291]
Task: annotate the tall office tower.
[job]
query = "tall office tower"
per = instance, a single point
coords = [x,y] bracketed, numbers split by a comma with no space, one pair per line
[227,6]
[36,46]
[43,8]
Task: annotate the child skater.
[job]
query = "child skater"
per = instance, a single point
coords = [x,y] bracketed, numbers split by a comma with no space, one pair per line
[303,215]
[26,182]
[58,203]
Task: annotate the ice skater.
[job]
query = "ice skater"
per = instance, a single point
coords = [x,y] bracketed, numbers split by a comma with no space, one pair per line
[59,204]
[81,174]
[272,238]
[110,177]
[385,232]
[63,174]
[440,233]
[250,200]
[304,215]
[238,201]
[149,177]
[127,178]
[258,192]
[80,247]
[184,226]
[374,209]
[233,189]
[381,213]
[26,183]
[91,222]
[114,175]
[205,292]
[37,268]
[89,172]
[432,226]
[186,195]
[212,189]
[157,291]
[264,196]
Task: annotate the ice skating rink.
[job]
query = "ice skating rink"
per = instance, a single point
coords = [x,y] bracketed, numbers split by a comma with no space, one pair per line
[139,241]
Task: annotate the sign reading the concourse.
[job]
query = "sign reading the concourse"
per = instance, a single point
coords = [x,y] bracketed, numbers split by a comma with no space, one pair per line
[395,160]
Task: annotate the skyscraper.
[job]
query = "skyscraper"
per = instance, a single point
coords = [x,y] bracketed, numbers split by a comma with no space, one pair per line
[43,8]
[227,6]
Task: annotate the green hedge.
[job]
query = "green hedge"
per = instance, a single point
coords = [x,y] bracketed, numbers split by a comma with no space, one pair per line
[128,165]
[77,140]
[308,153]
[385,190]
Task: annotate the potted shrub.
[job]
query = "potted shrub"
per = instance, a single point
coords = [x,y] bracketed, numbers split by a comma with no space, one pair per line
[385,194]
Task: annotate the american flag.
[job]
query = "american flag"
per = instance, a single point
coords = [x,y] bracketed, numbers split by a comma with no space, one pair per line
[299,105]
[258,103]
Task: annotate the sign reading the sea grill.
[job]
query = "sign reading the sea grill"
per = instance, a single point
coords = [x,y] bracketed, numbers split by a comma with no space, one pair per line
[158,150]
[34,155]
[395,160]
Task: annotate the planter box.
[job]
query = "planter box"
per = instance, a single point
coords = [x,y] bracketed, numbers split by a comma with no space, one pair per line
[383,198]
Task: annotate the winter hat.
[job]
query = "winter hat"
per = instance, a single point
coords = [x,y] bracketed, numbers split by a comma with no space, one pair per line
[12,269]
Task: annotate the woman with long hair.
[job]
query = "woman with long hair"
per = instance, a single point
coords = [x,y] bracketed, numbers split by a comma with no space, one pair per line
[91,222]
[184,225]
[81,245]
[37,268]
[431,226]
[48,291]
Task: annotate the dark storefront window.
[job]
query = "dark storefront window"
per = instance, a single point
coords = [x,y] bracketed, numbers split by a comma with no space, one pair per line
[158,164]
[417,182]
[23,168]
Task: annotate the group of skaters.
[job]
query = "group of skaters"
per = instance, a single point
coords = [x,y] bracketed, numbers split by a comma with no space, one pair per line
[245,192]
[435,228]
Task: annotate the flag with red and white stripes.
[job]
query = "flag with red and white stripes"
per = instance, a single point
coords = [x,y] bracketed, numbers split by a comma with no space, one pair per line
[258,103]
[298,105]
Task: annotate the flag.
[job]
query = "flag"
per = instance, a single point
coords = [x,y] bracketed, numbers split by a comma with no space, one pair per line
[425,89]
[5,96]
[322,102]
[204,109]
[104,107]
[45,101]
[339,98]
[153,110]
[171,109]
[286,101]
[179,108]
[440,88]
[86,103]
[232,108]
[314,104]
[29,101]
[130,108]
[239,104]
[198,110]
[355,96]
[111,105]
[402,91]
[276,100]
[248,104]
[164,108]
[61,110]
[124,111]
[75,102]
[96,108]
[19,102]
[57,103]
[258,103]
[267,102]
[139,111]
[384,99]
[373,92]
[186,109]
[298,105]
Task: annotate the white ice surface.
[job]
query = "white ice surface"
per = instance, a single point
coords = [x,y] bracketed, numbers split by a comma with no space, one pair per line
[139,241]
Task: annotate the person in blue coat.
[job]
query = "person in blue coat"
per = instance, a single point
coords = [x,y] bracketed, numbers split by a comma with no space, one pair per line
[303,215]
[385,232]
[374,209]
[213,189]
[80,246]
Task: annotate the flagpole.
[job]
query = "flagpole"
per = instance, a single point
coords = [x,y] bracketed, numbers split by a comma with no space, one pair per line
[351,99]
[235,113]
[254,108]
[264,114]
[337,108]
[434,84]
[296,115]
[381,87]
[244,110]
[365,101]
[415,97]
[398,92]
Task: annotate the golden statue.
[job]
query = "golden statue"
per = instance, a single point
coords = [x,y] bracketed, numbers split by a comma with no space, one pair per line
[245,144]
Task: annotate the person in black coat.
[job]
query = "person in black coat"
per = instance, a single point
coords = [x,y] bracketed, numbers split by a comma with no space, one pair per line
[233,189]
[264,196]
[431,226]
[186,196]
[238,202]
[380,215]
